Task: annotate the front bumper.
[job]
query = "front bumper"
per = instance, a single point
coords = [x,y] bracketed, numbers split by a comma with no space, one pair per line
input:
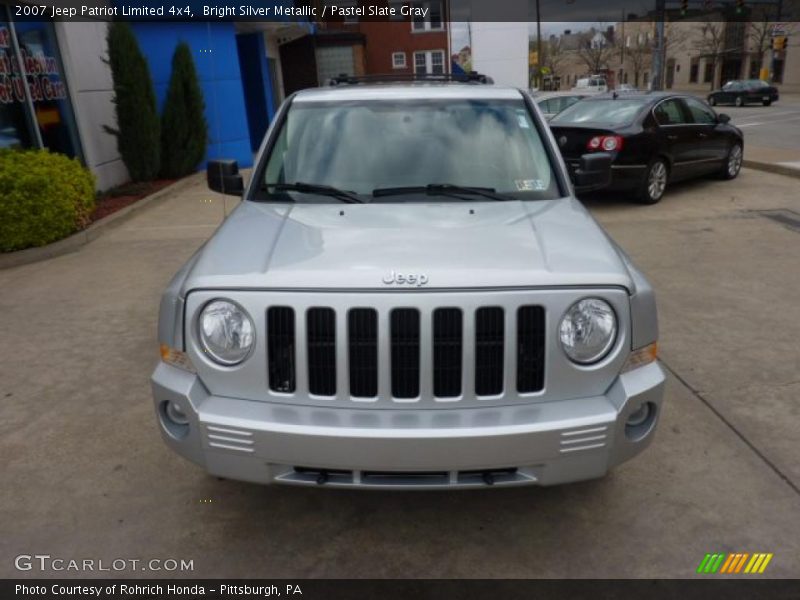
[546,443]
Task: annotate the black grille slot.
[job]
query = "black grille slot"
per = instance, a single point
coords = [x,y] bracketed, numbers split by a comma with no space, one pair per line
[321,334]
[448,340]
[489,340]
[280,349]
[362,325]
[530,349]
[405,352]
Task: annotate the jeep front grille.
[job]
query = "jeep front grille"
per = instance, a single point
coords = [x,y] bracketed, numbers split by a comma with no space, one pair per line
[530,348]
[362,324]
[420,363]
[448,341]
[489,340]
[280,349]
[405,352]
[321,340]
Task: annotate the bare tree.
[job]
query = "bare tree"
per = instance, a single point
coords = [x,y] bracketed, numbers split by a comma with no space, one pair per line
[554,56]
[639,55]
[595,54]
[712,45]
[760,33]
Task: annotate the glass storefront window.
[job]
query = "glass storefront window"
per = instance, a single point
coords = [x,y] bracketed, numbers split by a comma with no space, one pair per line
[15,126]
[43,104]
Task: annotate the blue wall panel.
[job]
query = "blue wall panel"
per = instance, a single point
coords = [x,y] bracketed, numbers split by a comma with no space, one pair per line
[216,57]
[257,85]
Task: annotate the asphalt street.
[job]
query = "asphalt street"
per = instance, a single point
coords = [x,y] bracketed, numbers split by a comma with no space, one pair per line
[86,475]
[775,127]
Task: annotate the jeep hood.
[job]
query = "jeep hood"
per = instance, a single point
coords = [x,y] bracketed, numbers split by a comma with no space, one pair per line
[453,244]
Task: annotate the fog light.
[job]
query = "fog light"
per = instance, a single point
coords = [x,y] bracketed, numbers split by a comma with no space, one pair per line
[641,421]
[173,419]
[175,414]
[640,416]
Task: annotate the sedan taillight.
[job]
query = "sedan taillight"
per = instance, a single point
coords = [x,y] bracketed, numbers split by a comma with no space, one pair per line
[606,143]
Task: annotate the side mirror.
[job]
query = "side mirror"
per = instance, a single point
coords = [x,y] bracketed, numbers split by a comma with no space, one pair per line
[593,173]
[723,118]
[223,176]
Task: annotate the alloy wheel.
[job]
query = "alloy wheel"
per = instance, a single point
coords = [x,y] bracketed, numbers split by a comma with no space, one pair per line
[734,161]
[657,180]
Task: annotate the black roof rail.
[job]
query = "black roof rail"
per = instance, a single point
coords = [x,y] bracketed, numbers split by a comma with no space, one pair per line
[471,77]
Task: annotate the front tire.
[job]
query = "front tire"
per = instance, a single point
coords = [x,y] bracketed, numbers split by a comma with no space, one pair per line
[733,162]
[655,182]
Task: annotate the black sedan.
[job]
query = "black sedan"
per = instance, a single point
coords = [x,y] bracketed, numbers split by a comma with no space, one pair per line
[744,91]
[654,138]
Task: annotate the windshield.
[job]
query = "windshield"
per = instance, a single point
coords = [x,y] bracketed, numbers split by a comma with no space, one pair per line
[611,112]
[363,146]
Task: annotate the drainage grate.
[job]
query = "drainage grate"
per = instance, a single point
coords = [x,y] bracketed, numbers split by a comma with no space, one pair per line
[784,216]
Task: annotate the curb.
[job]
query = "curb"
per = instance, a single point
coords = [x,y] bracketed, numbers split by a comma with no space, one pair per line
[74,242]
[771,168]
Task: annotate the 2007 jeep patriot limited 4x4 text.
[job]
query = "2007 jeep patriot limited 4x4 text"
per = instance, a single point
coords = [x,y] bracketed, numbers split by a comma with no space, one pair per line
[409,296]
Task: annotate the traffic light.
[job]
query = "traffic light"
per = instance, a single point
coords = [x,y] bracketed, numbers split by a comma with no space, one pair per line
[739,7]
[779,43]
[708,5]
[684,6]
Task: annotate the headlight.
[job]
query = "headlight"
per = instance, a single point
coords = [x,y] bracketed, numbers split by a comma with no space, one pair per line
[226,332]
[588,330]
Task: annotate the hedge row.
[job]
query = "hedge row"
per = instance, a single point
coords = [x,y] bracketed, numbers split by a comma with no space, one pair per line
[43,198]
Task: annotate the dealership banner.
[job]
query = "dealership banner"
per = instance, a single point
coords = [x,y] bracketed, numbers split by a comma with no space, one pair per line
[385,589]
[385,10]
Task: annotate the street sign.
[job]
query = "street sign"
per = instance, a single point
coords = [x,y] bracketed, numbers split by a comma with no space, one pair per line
[777,29]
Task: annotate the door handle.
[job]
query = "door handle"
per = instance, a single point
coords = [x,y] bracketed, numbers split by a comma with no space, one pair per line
[672,137]
[702,135]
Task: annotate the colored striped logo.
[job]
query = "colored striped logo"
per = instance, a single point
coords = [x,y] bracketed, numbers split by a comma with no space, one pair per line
[736,562]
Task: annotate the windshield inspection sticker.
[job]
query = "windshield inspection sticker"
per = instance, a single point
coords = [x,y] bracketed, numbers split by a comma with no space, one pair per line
[530,185]
[522,119]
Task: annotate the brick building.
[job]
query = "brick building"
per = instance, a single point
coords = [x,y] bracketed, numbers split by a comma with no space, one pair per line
[400,45]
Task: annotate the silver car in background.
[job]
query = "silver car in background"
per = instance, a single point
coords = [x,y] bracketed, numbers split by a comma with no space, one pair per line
[409,296]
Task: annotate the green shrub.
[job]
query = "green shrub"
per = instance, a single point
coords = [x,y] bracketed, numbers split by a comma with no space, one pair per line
[43,198]
[137,131]
[184,131]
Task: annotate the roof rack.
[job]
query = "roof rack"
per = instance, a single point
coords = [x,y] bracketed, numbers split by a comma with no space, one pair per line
[471,77]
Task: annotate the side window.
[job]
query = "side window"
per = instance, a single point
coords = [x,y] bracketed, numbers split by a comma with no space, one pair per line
[700,112]
[670,112]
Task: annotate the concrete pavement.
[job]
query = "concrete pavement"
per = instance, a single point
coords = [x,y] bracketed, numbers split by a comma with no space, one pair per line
[87,475]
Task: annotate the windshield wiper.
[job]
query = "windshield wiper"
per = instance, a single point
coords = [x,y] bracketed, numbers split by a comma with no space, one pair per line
[314,188]
[444,189]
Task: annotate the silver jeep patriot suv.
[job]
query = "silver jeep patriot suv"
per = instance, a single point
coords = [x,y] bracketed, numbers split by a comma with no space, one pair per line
[409,296]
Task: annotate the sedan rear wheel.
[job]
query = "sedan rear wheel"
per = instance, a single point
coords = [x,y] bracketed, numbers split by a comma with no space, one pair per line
[655,182]
[739,101]
[733,164]
[712,100]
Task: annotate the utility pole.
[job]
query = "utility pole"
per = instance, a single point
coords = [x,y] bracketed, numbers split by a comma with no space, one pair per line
[658,54]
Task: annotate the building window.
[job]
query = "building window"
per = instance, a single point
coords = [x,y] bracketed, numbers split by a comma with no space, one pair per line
[694,70]
[430,62]
[433,19]
[398,60]
[708,73]
[646,79]
[39,114]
